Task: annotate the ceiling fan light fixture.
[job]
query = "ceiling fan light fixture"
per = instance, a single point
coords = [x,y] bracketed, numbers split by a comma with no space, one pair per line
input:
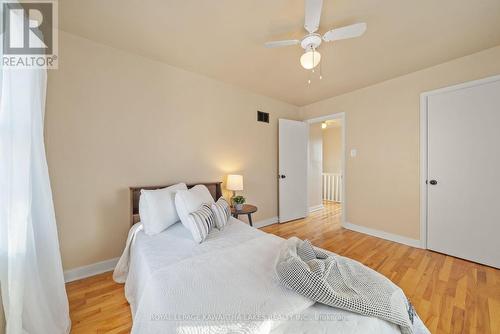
[310,59]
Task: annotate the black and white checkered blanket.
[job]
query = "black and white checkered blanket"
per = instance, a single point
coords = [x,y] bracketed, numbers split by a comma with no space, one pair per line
[341,282]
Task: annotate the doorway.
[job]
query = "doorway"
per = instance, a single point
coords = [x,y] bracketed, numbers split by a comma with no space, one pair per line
[326,161]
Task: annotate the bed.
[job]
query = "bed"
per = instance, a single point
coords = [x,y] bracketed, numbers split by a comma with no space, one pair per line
[226,284]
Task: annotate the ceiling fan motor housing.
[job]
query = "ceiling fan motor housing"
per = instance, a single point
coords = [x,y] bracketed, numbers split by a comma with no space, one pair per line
[311,41]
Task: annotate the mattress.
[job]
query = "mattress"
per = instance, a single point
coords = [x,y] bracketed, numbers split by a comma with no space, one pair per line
[160,264]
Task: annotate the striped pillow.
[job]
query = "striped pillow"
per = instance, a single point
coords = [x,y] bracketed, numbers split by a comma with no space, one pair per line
[201,222]
[222,212]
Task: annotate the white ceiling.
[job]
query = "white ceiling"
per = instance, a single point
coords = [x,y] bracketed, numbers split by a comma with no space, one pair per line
[223,38]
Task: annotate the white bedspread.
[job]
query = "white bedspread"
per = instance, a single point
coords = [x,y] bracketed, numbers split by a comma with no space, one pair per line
[226,284]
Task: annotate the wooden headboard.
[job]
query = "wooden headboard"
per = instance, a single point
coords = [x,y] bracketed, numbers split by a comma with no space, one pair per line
[135,192]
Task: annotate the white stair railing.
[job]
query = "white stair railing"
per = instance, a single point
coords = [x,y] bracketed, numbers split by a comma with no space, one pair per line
[332,187]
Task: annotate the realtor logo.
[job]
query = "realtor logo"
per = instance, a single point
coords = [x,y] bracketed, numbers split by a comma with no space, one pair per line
[29,34]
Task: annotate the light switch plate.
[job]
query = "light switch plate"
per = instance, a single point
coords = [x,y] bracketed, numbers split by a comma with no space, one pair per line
[354,153]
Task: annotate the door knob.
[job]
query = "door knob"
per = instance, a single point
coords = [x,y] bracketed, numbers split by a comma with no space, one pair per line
[433,182]
[281,176]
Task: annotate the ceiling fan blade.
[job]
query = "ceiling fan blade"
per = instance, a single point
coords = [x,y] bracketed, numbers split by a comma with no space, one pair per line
[277,44]
[354,30]
[313,15]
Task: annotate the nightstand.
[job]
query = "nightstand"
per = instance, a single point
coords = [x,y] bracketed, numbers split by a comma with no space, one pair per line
[247,210]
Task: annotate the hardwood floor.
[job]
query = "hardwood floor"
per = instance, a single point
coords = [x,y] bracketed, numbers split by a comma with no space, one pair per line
[451,295]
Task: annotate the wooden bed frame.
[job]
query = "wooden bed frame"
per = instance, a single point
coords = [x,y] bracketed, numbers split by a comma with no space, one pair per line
[215,189]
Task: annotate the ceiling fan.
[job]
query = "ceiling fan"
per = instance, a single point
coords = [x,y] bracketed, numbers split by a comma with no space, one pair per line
[311,57]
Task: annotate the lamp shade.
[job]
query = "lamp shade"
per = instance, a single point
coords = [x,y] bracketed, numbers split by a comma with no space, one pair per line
[310,59]
[234,182]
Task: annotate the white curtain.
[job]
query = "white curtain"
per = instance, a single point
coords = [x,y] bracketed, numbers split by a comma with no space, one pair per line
[32,282]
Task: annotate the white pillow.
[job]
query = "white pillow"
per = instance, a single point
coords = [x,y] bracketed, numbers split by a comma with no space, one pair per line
[222,212]
[188,201]
[157,208]
[201,222]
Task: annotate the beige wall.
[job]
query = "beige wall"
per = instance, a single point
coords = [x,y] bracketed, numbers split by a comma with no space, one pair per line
[315,165]
[332,150]
[382,123]
[116,120]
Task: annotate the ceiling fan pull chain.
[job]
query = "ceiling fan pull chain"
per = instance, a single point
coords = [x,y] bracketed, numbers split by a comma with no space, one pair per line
[314,52]
[312,71]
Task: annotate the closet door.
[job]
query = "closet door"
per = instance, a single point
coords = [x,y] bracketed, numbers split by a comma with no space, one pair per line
[464,173]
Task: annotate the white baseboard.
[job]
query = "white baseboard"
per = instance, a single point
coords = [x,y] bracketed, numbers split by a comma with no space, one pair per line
[90,270]
[265,222]
[316,208]
[108,265]
[383,235]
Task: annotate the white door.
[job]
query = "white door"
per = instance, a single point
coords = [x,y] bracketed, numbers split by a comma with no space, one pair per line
[464,173]
[293,141]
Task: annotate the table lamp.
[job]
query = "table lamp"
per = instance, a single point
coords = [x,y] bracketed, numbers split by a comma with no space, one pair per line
[234,183]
